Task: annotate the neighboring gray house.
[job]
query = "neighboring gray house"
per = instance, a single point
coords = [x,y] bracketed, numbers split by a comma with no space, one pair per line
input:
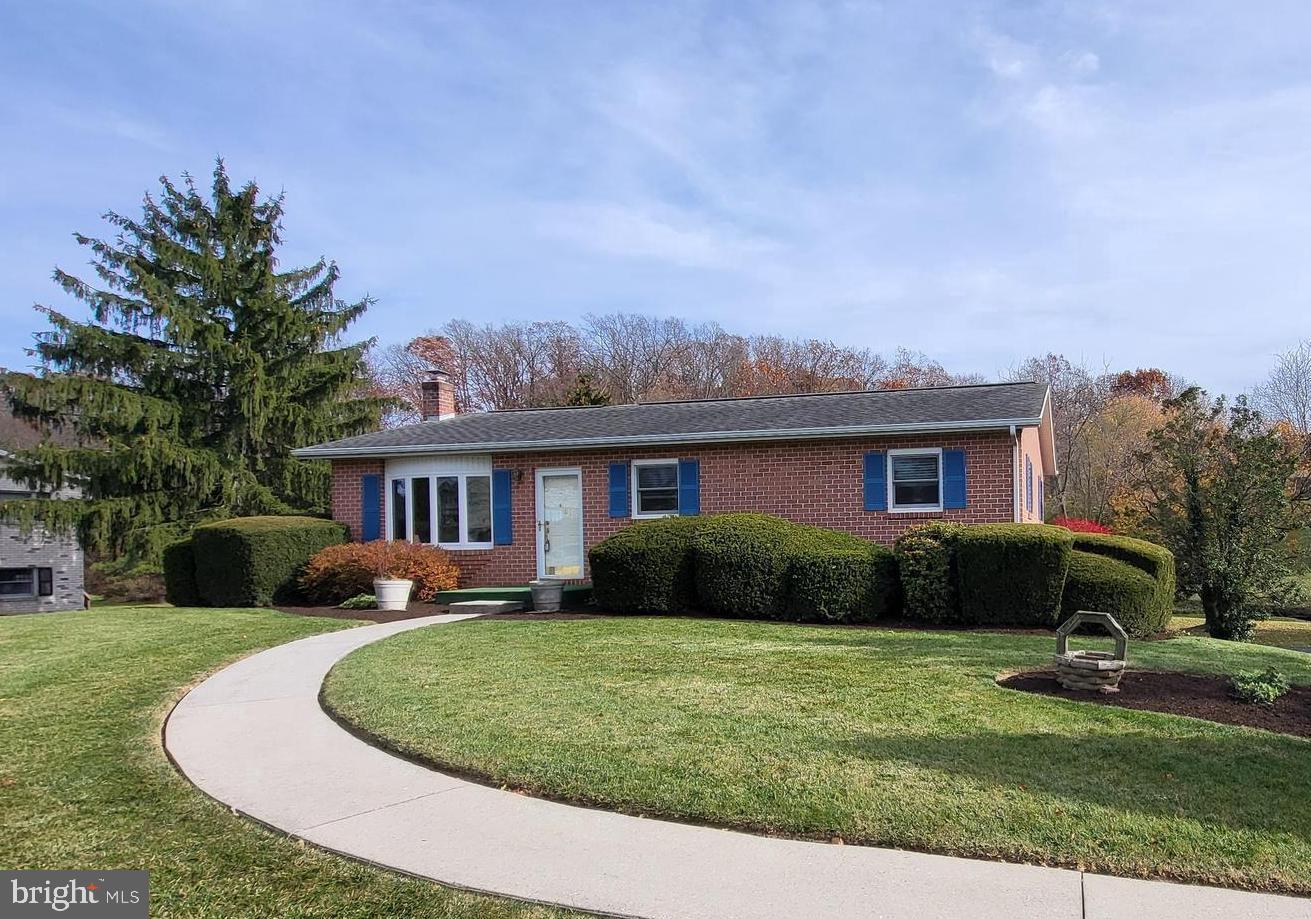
[39,572]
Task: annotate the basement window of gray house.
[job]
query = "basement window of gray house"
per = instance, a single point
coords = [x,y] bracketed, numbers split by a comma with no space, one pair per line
[17,582]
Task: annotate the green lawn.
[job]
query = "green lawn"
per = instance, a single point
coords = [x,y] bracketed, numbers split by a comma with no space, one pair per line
[85,784]
[896,738]
[1277,631]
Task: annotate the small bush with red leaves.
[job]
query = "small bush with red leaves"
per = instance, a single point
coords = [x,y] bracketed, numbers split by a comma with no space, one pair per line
[340,572]
[1080,525]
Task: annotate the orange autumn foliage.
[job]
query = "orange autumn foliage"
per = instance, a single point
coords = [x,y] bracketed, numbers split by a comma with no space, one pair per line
[338,573]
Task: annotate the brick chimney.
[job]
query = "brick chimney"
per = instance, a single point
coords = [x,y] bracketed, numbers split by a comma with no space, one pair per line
[436,396]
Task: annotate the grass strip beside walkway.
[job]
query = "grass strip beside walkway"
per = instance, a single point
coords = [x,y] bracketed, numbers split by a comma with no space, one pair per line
[892,738]
[84,782]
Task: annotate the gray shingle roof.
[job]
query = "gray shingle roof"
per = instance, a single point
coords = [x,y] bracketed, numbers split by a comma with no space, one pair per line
[980,407]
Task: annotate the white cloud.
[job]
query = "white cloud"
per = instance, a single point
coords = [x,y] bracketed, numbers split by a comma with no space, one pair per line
[627,232]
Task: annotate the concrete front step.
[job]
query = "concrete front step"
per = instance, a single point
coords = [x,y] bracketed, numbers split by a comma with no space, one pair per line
[486,607]
[576,596]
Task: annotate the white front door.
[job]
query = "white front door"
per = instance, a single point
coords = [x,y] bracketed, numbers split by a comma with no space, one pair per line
[559,523]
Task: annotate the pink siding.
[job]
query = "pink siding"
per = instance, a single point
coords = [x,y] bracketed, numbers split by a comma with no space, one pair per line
[1030,450]
[817,482]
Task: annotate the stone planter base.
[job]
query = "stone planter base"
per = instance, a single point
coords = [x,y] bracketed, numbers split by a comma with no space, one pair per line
[1089,671]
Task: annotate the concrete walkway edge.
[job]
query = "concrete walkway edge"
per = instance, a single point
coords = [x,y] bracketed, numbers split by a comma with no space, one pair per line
[254,737]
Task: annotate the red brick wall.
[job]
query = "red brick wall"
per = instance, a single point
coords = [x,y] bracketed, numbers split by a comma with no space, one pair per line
[817,482]
[346,506]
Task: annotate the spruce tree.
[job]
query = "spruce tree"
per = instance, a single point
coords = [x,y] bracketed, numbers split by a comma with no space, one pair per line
[201,367]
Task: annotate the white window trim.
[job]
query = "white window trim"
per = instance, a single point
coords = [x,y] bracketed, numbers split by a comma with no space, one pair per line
[632,484]
[462,484]
[914,508]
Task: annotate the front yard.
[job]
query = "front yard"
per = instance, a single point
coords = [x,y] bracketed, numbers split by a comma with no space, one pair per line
[881,737]
[84,782]
[1277,631]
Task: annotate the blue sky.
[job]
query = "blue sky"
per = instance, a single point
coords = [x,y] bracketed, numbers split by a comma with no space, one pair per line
[1122,182]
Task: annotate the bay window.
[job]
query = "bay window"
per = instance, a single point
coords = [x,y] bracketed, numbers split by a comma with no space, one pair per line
[457,508]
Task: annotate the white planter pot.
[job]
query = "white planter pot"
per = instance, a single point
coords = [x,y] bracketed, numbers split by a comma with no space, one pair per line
[392,593]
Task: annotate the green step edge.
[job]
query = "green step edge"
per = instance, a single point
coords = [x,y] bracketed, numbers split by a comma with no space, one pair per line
[574,594]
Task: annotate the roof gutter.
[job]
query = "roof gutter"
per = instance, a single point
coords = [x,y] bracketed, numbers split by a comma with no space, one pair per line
[328,451]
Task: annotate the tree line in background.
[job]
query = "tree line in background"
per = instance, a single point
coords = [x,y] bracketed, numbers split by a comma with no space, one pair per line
[626,357]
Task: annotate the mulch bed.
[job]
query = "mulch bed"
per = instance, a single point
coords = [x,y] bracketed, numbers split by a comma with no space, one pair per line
[1182,694]
[371,615]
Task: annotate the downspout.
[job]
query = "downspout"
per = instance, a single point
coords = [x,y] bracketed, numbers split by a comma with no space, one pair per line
[1015,475]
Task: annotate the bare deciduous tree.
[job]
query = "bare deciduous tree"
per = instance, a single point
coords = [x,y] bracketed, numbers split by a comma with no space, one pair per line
[633,358]
[1286,393]
[1077,396]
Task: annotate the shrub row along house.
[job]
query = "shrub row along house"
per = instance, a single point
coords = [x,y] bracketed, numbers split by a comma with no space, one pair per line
[523,494]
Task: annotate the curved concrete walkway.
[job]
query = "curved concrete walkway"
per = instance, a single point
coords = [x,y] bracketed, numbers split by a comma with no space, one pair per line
[254,737]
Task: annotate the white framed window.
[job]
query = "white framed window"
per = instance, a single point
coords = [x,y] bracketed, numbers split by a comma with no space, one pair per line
[453,511]
[655,488]
[915,480]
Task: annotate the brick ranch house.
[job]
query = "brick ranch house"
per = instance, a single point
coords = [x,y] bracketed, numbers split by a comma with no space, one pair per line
[516,495]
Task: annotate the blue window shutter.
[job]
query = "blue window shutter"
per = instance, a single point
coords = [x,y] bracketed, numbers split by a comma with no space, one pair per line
[876,481]
[370,507]
[953,479]
[618,489]
[502,521]
[689,487]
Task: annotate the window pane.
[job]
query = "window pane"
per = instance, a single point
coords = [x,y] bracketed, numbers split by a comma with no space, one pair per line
[398,509]
[422,499]
[448,509]
[663,476]
[478,491]
[45,582]
[657,501]
[915,494]
[16,582]
[914,468]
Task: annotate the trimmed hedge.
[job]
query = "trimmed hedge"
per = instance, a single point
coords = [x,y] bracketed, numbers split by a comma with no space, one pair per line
[748,565]
[1100,583]
[843,585]
[760,566]
[1012,573]
[646,567]
[1131,579]
[926,561]
[741,564]
[180,574]
[255,561]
